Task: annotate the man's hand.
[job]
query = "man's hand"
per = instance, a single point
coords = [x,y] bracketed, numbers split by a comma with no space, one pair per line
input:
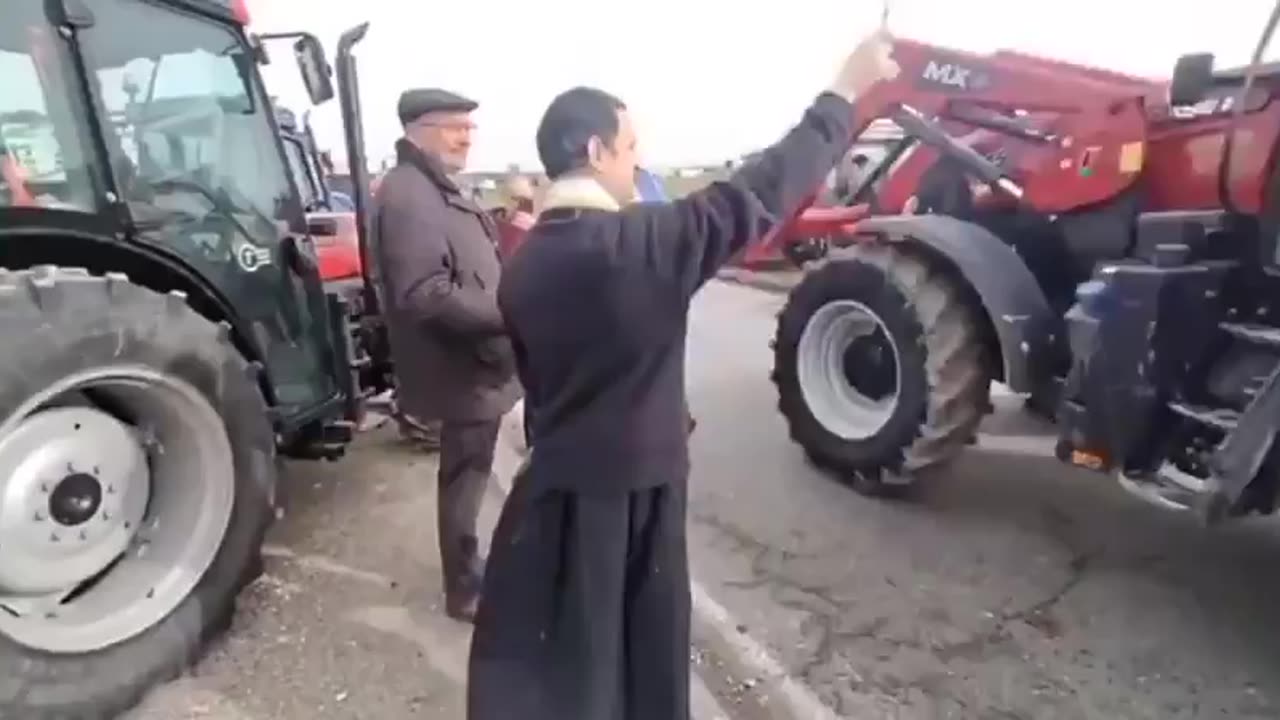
[496,355]
[869,63]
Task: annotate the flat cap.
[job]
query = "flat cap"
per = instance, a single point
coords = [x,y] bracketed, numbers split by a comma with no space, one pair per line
[420,101]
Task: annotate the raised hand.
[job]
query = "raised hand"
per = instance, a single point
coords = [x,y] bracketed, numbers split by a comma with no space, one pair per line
[870,62]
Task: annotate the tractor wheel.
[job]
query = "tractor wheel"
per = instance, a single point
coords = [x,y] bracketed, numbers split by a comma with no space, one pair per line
[879,367]
[137,476]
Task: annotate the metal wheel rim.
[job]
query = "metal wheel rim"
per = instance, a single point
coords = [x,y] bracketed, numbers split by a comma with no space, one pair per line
[166,481]
[833,401]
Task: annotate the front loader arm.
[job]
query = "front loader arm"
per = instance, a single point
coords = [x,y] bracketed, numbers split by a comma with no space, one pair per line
[1086,126]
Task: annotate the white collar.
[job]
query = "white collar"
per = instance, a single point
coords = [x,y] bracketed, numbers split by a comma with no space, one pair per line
[579,191]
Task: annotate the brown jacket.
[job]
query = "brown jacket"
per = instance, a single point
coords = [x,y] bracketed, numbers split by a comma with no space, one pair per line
[437,268]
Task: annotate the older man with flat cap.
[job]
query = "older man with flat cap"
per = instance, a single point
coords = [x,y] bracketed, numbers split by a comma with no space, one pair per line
[436,261]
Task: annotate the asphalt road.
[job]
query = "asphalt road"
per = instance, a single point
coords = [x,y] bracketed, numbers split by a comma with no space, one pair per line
[1010,588]
[347,620]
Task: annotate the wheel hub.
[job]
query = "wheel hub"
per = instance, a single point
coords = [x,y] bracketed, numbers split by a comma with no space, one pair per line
[73,489]
[870,366]
[75,499]
[847,367]
[106,527]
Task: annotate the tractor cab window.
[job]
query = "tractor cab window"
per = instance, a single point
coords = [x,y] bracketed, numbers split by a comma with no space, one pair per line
[188,129]
[301,169]
[44,149]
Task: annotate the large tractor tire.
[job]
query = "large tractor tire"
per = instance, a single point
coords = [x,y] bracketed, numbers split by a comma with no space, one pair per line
[880,367]
[137,476]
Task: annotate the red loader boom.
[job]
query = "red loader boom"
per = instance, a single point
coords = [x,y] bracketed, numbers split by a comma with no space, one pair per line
[1079,132]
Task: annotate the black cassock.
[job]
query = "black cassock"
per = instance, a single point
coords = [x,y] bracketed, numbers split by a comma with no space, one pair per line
[585,612]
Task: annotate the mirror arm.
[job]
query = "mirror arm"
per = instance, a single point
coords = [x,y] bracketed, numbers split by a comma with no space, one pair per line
[259,49]
[288,36]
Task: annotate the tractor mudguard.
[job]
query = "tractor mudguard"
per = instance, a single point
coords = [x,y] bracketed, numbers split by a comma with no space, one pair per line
[1012,299]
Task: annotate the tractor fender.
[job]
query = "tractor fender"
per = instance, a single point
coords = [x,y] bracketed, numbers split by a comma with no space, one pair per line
[1015,306]
[154,268]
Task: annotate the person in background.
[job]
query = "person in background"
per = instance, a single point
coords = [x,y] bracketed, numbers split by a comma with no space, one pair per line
[850,177]
[436,256]
[844,181]
[585,609]
[649,186]
[516,214]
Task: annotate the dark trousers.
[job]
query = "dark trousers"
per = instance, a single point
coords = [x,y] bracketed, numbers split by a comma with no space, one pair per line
[466,462]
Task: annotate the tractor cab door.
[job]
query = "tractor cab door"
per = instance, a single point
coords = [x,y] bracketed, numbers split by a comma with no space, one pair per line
[207,183]
[309,183]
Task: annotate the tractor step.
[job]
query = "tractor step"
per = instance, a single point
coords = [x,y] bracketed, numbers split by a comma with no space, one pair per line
[1221,418]
[1170,488]
[1256,333]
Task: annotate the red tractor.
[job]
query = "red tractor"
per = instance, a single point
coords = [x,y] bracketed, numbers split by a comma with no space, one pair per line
[1103,243]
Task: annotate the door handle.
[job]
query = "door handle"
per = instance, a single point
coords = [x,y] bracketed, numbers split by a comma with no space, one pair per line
[300,255]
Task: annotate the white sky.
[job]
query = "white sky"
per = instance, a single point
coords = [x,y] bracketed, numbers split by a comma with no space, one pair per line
[705,79]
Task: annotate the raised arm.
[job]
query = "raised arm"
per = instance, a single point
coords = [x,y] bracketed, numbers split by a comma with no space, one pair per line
[689,240]
[417,266]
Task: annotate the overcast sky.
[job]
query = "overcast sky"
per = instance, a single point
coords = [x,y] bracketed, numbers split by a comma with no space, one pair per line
[705,79]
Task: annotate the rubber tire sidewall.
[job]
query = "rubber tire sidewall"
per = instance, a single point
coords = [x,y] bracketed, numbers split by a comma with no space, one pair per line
[83,322]
[867,284]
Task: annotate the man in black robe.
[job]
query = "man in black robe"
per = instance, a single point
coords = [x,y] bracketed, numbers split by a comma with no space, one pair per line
[585,608]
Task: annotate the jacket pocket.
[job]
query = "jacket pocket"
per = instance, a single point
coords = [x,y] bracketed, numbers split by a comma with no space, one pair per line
[496,360]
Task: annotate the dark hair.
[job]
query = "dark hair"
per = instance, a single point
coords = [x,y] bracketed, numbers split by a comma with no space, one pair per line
[569,123]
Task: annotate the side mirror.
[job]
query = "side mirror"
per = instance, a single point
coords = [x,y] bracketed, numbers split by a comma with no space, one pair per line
[1192,78]
[322,227]
[316,74]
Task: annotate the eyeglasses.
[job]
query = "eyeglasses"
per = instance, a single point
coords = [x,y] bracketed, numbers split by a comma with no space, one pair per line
[457,127]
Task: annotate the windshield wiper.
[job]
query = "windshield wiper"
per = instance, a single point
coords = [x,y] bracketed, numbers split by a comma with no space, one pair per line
[220,204]
[158,217]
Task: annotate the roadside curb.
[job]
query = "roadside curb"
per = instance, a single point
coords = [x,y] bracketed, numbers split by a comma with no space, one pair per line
[785,697]
[777,282]
[743,656]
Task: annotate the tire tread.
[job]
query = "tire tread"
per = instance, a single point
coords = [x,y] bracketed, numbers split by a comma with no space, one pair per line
[955,365]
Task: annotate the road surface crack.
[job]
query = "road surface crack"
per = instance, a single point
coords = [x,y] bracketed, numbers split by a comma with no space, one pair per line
[821,607]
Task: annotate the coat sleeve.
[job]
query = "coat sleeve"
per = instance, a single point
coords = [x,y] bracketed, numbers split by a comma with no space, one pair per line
[417,265]
[687,241]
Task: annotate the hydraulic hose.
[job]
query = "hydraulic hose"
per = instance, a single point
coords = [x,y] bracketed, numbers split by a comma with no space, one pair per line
[1228,143]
